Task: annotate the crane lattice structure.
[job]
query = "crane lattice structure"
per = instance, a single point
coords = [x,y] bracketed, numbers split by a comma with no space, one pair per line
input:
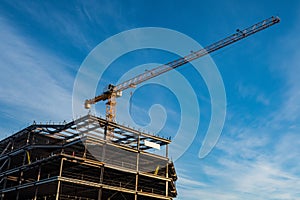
[113,91]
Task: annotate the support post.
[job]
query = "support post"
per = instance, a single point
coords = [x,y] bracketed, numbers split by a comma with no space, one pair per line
[5,181]
[102,160]
[38,178]
[167,171]
[137,168]
[101,182]
[21,172]
[58,184]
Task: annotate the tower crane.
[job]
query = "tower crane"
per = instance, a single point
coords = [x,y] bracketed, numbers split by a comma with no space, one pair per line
[114,91]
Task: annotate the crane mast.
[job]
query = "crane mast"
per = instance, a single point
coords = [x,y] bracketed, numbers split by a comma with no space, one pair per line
[113,91]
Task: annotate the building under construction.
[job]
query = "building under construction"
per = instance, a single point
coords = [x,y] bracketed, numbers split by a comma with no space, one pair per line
[93,158]
[88,158]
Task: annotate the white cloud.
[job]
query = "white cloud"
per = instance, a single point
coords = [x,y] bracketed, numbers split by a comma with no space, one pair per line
[254,164]
[76,23]
[34,82]
[253,93]
[258,160]
[187,182]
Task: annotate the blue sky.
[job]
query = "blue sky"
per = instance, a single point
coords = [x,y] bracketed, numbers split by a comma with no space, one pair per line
[43,44]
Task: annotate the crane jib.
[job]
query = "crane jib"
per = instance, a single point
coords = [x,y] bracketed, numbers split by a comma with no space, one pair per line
[240,34]
[202,52]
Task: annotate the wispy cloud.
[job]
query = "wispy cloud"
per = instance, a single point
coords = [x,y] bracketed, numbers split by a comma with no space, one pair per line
[31,87]
[68,24]
[246,169]
[247,91]
[82,24]
[257,161]
[193,189]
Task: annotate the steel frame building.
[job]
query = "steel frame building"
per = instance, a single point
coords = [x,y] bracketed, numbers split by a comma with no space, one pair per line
[88,158]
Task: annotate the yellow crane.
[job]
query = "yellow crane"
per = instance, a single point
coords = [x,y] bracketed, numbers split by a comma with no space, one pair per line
[114,91]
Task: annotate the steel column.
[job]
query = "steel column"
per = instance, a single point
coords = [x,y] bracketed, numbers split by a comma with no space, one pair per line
[58,184]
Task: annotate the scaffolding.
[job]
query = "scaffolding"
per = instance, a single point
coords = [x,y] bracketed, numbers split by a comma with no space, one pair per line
[88,158]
